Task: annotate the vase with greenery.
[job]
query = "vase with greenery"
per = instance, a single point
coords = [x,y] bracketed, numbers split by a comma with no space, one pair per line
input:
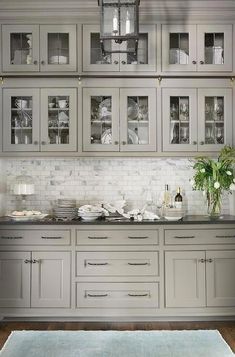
[214,177]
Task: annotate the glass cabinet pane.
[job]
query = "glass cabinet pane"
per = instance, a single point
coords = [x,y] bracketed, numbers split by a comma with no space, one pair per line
[142,54]
[21,48]
[138,120]
[214,120]
[58,48]
[179,48]
[214,48]
[21,120]
[96,55]
[58,119]
[179,120]
[101,120]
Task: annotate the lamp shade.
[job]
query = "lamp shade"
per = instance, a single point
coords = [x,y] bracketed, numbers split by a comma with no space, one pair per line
[23,185]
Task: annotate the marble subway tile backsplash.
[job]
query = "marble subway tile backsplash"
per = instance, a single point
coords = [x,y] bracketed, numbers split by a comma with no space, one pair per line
[102,179]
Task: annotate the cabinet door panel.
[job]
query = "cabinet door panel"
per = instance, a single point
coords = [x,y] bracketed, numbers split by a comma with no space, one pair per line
[101,119]
[58,48]
[214,48]
[14,279]
[214,118]
[220,269]
[59,119]
[138,119]
[179,119]
[51,279]
[21,48]
[93,58]
[179,48]
[21,119]
[185,279]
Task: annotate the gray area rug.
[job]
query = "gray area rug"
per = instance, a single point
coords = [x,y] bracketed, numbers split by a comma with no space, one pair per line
[199,343]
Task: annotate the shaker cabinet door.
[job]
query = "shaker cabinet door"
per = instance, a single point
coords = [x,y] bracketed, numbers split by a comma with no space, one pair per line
[58,119]
[179,119]
[214,118]
[21,48]
[15,279]
[21,119]
[101,119]
[58,48]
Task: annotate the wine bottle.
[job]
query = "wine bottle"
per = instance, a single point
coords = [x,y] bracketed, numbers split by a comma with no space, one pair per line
[178,199]
[167,197]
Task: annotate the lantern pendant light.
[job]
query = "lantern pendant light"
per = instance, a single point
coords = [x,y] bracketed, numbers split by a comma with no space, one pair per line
[119,21]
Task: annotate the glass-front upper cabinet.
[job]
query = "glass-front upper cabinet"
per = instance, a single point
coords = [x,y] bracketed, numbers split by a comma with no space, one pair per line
[179,119]
[21,119]
[21,48]
[23,43]
[95,60]
[202,48]
[179,52]
[214,47]
[100,119]
[214,118]
[58,119]
[138,119]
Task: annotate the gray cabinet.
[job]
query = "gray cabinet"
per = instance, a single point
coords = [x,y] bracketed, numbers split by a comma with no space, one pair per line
[34,48]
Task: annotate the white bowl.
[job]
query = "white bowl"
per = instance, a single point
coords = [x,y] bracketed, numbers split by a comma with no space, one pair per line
[172,218]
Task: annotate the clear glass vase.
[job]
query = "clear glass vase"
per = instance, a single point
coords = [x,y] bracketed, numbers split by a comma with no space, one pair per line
[214,204]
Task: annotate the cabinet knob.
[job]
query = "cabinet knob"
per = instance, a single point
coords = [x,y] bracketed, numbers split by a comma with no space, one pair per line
[26,261]
[202,143]
[194,62]
[35,62]
[209,260]
[123,62]
[116,62]
[34,261]
[43,143]
[123,143]
[42,62]
[202,260]
[35,142]
[202,62]
[194,143]
[116,142]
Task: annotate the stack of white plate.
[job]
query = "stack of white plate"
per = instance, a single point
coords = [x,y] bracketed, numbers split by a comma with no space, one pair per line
[66,209]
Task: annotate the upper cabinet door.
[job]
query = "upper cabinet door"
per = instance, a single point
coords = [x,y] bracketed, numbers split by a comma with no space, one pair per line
[58,48]
[179,119]
[93,58]
[21,119]
[101,119]
[138,119]
[58,119]
[214,118]
[21,48]
[214,48]
[145,59]
[179,48]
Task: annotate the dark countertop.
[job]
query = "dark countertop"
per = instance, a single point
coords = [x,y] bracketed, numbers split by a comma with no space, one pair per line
[224,219]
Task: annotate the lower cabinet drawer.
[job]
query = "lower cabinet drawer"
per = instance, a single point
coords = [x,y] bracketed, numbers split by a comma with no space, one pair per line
[117,263]
[117,295]
[34,237]
[200,236]
[117,236]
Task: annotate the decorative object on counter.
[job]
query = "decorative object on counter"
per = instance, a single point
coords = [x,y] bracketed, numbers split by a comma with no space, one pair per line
[23,186]
[173,214]
[139,215]
[26,215]
[214,177]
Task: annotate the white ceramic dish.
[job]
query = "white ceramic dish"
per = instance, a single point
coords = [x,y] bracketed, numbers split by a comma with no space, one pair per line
[170,218]
[27,218]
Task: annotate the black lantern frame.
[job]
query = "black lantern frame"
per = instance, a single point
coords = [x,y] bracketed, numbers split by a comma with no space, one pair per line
[114,27]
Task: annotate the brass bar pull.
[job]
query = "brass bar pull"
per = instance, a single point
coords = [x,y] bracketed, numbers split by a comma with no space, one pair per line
[184,237]
[143,237]
[44,237]
[89,237]
[138,263]
[96,295]
[138,295]
[96,264]
[15,237]
[225,236]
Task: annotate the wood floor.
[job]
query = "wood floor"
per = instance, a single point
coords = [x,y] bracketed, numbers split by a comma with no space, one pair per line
[227,329]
